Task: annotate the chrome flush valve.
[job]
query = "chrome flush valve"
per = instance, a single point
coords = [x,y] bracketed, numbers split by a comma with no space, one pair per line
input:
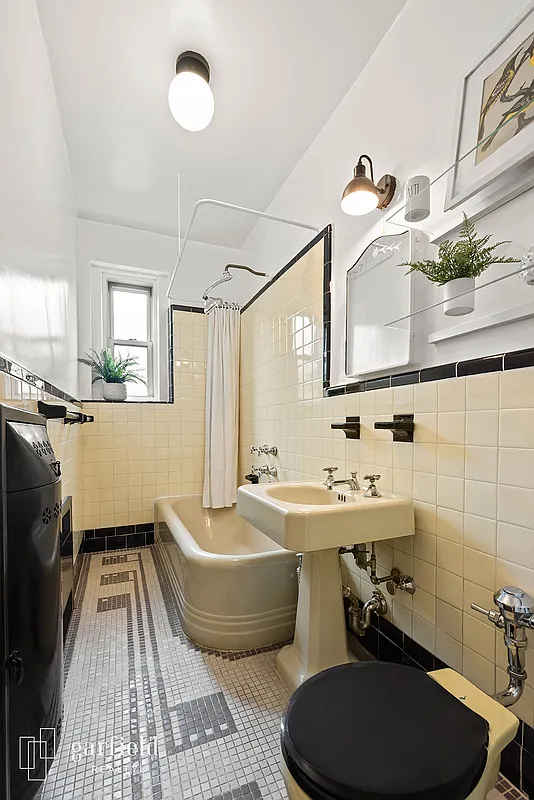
[515,615]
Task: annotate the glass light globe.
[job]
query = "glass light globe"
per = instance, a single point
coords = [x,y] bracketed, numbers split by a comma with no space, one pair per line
[359,202]
[191,101]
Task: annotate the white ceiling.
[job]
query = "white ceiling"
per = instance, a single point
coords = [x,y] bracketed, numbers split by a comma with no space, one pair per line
[279,69]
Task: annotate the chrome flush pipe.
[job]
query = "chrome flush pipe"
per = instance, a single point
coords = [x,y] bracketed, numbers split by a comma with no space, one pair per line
[359,621]
[515,616]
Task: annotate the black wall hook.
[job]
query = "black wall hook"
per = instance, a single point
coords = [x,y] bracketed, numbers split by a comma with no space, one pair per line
[402,426]
[54,411]
[351,427]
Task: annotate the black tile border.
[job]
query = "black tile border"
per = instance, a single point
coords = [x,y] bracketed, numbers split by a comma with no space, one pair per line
[122,537]
[325,234]
[383,641]
[14,370]
[502,362]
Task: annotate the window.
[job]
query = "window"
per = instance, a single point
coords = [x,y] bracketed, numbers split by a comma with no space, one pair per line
[130,331]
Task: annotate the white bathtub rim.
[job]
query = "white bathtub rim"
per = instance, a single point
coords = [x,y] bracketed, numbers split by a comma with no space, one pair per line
[165,507]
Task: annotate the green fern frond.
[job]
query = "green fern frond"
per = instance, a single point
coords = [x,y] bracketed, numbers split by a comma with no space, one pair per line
[109,369]
[469,257]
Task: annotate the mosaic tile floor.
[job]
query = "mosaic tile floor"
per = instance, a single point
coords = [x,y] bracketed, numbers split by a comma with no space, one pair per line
[132,674]
[150,716]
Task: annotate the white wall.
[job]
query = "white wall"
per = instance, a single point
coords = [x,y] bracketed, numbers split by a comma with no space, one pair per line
[37,209]
[401,111]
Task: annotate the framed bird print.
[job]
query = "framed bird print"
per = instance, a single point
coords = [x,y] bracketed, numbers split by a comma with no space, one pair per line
[493,153]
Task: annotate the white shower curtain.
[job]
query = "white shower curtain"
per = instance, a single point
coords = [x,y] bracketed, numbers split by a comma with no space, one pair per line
[222,408]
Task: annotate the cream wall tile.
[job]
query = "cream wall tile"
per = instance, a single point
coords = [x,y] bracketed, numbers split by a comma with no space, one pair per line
[450,493]
[516,506]
[482,428]
[481,499]
[479,568]
[424,487]
[517,388]
[517,428]
[449,619]
[424,575]
[450,524]
[516,467]
[480,534]
[509,574]
[425,458]
[424,605]
[515,544]
[449,587]
[426,397]
[424,546]
[479,671]
[451,395]
[479,637]
[449,650]
[483,391]
[450,556]
[481,463]
[451,460]
[424,633]
[451,428]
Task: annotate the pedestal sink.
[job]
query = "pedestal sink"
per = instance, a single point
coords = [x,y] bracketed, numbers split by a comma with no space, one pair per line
[315,521]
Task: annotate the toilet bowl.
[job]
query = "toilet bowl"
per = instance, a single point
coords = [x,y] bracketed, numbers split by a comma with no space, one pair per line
[372,730]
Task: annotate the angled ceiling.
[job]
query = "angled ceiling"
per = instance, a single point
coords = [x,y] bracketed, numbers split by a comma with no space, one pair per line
[279,69]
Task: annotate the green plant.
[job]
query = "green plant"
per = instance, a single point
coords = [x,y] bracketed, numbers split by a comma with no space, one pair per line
[109,369]
[466,258]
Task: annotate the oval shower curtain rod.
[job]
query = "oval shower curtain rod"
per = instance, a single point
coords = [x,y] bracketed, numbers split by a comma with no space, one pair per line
[221,204]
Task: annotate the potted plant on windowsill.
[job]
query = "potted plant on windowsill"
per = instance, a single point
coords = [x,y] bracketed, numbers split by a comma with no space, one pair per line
[457,266]
[114,372]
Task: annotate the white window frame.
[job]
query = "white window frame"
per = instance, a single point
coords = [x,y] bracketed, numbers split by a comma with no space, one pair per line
[134,288]
[102,274]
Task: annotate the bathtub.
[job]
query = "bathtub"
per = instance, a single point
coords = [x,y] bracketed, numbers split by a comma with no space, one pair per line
[235,588]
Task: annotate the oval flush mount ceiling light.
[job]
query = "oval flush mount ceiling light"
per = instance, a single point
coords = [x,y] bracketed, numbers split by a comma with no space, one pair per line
[362,195]
[190,96]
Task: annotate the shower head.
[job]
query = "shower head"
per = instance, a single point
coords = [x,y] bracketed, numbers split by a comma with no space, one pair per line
[226,276]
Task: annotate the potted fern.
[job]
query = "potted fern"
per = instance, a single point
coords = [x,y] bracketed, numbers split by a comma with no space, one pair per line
[114,372]
[457,266]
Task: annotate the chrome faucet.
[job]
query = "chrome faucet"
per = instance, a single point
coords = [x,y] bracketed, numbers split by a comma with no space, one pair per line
[264,450]
[515,615]
[352,482]
[267,470]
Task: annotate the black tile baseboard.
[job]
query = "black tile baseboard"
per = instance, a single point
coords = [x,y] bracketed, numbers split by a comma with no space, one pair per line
[385,642]
[122,537]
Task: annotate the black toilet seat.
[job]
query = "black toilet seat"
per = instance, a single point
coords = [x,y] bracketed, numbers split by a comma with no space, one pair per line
[377,731]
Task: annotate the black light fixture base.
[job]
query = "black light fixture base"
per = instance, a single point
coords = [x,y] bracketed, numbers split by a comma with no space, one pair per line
[189,61]
[387,186]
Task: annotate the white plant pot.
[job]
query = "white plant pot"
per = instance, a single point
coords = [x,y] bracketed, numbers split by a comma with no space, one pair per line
[455,306]
[114,392]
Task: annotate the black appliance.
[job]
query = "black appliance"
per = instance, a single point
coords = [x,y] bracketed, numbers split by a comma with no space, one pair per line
[31,702]
[67,569]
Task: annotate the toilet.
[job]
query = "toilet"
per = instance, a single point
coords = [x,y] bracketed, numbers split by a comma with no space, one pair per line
[373,730]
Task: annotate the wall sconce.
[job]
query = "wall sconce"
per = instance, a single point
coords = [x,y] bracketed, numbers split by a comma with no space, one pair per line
[362,195]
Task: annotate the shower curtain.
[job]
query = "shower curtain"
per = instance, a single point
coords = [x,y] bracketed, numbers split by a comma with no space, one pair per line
[222,408]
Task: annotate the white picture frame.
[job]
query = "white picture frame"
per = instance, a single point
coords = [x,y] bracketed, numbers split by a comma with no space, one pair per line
[509,170]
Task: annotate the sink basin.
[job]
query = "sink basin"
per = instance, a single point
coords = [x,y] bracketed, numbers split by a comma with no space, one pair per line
[307,494]
[307,517]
